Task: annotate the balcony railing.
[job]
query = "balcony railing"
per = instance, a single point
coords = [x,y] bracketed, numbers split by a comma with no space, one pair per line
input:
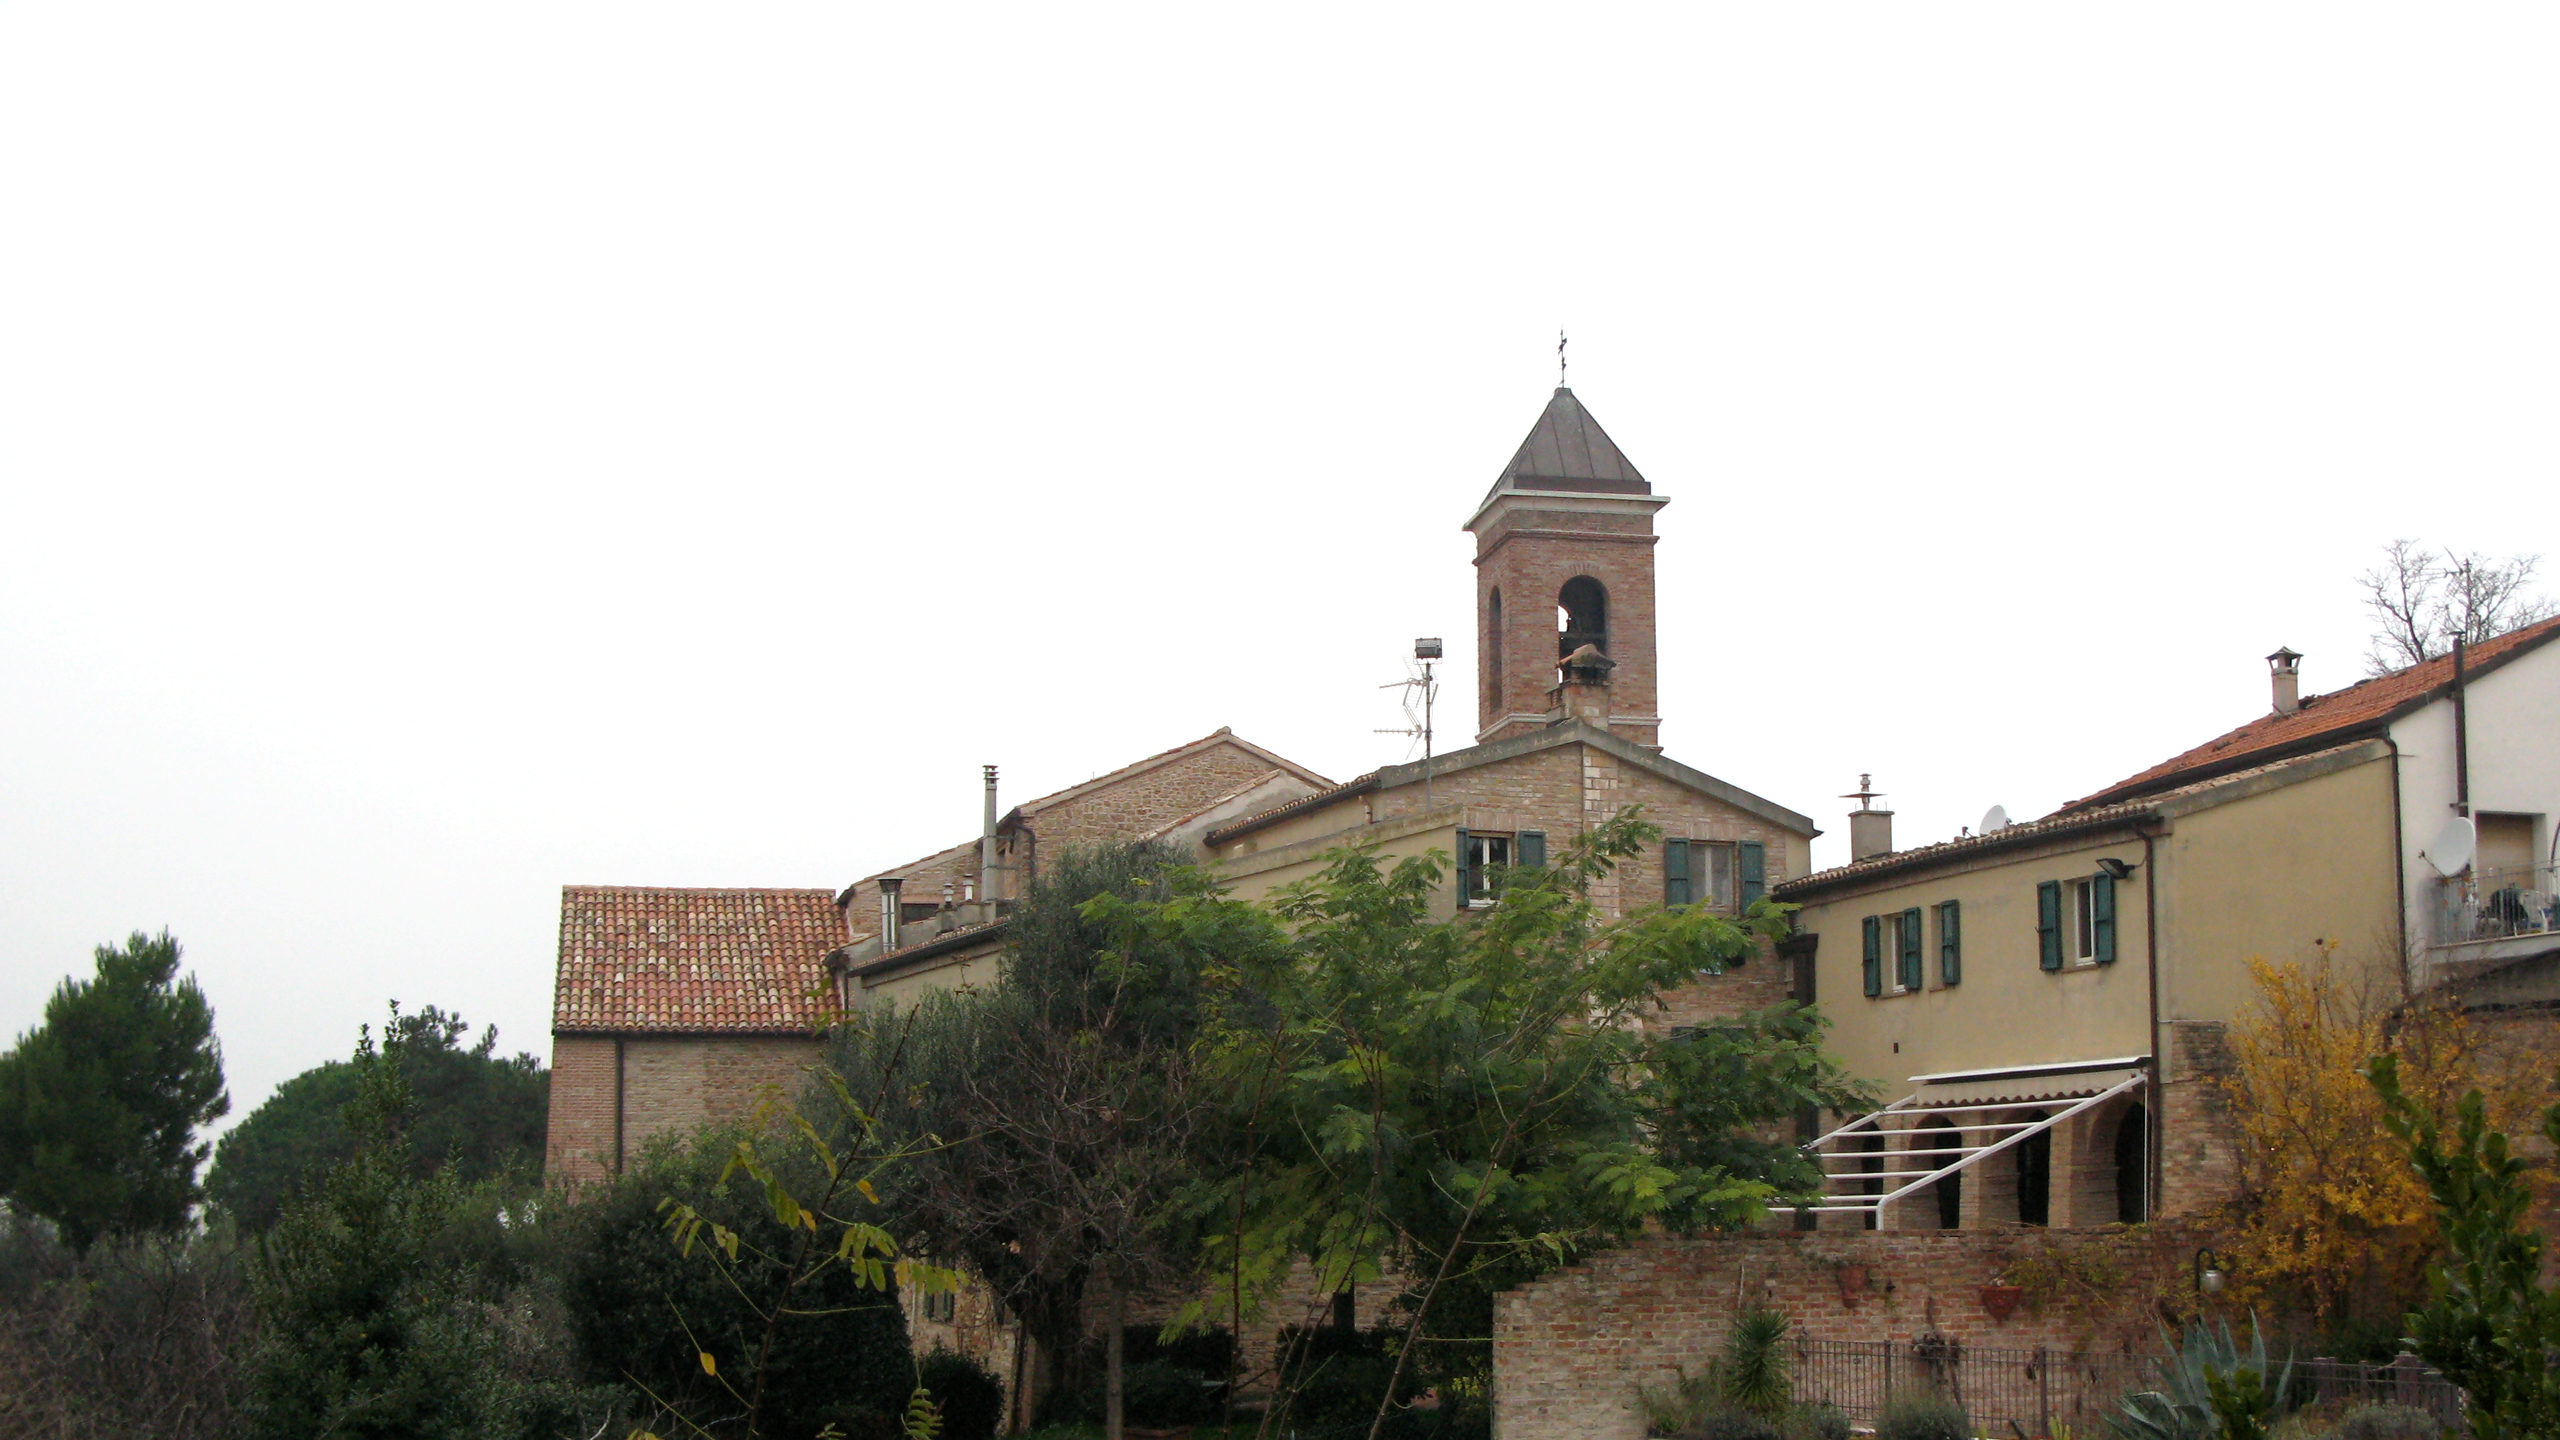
[2497,904]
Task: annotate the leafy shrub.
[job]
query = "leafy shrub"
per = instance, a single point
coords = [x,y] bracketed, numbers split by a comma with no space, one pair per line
[1924,1417]
[1726,1423]
[2388,1422]
[641,1309]
[1817,1422]
[968,1395]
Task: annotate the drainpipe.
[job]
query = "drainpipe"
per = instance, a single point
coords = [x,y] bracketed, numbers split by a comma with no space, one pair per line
[617,1104]
[2399,869]
[2461,737]
[2151,1167]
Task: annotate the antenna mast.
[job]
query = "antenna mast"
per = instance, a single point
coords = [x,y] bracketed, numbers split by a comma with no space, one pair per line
[1419,686]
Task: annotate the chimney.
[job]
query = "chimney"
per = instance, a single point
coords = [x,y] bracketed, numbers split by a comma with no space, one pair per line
[891,898]
[1582,688]
[2285,669]
[1870,829]
[987,843]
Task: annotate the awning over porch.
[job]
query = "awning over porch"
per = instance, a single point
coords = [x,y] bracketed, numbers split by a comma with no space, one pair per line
[1864,1169]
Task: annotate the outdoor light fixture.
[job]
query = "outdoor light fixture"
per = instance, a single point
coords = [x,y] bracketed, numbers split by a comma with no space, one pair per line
[2210,1275]
[2117,869]
[1427,648]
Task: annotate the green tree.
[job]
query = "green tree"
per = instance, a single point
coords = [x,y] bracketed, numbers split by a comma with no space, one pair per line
[100,1104]
[1051,1117]
[1467,1104]
[481,1113]
[394,1307]
[2488,1325]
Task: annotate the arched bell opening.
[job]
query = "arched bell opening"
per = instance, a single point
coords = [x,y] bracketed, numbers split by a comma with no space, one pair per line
[1582,616]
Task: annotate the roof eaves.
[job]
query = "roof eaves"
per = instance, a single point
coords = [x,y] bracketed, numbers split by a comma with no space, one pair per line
[2012,837]
[1264,819]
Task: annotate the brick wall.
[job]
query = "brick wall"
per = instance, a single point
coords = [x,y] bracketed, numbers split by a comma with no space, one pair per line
[1149,799]
[578,1144]
[1570,1350]
[668,1082]
[1528,554]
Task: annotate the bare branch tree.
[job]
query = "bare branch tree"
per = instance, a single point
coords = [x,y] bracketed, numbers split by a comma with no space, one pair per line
[2421,598]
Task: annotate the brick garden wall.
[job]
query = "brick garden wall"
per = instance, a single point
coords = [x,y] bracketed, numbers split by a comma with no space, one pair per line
[1569,1351]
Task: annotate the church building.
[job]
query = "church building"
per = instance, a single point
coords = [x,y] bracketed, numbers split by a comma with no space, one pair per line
[675,1006]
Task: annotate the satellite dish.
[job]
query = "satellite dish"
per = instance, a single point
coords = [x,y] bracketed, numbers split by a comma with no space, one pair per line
[1995,818]
[2451,850]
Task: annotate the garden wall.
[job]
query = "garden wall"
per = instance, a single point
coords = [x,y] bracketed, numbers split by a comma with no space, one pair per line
[1570,1350]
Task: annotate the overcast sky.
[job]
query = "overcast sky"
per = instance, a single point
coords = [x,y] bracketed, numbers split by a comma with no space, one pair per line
[450,451]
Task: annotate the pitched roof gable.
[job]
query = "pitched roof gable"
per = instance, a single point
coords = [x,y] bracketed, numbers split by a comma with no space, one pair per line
[1570,733]
[641,960]
[2363,708]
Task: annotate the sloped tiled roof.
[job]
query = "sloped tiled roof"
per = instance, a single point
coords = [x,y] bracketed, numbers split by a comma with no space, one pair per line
[2067,823]
[2324,719]
[636,960]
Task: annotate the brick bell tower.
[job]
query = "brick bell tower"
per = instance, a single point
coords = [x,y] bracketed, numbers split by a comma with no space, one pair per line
[1564,559]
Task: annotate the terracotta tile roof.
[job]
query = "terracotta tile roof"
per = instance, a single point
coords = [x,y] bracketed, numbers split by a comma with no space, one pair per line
[2325,719]
[692,961]
[2060,825]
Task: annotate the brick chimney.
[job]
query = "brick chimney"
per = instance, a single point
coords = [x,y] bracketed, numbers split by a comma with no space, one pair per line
[1870,829]
[892,916]
[2284,668]
[1582,688]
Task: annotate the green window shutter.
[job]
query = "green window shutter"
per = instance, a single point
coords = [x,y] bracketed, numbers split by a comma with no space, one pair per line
[1950,943]
[1913,977]
[1532,848]
[1875,954]
[2102,919]
[1675,872]
[1466,872]
[1755,871]
[2049,924]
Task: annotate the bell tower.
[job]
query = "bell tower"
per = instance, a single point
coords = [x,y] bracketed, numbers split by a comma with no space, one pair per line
[1564,559]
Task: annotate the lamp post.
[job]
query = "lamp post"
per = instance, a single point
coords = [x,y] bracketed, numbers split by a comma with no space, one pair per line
[2211,1273]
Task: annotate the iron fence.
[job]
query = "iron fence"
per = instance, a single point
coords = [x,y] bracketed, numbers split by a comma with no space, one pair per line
[2032,1393]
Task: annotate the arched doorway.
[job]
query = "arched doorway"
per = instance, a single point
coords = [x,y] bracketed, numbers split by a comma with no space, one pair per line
[2035,1174]
[1868,1146]
[2133,1165]
[1939,1133]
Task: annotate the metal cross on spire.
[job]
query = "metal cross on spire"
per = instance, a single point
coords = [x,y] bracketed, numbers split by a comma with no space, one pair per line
[1559,359]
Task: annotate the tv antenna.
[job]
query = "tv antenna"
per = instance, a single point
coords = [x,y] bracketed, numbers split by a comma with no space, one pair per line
[1419,691]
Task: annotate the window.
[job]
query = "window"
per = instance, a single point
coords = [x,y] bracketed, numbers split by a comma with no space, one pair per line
[1950,944]
[1872,934]
[1481,855]
[1695,872]
[1493,645]
[2093,909]
[2049,924]
[1906,934]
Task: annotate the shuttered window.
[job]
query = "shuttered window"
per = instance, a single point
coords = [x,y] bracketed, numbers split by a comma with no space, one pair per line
[1912,976]
[1874,927]
[1676,889]
[1466,870]
[2049,924]
[1533,848]
[2102,919]
[1755,872]
[1950,943]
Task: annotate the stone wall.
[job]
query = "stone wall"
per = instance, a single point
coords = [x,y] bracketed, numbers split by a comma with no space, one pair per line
[1570,1350]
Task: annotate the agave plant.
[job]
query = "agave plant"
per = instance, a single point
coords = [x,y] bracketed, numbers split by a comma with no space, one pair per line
[1754,1373]
[2183,1407]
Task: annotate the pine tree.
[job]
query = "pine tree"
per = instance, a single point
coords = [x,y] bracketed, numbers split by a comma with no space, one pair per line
[100,1104]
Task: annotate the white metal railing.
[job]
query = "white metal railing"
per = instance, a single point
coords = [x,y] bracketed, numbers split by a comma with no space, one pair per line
[1840,1188]
[2497,904]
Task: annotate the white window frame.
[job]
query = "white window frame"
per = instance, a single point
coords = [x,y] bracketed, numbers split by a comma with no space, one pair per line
[2084,923]
[1482,850]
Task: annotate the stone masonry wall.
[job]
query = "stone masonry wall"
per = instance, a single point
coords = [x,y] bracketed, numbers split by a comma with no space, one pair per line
[1149,799]
[1570,1350]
